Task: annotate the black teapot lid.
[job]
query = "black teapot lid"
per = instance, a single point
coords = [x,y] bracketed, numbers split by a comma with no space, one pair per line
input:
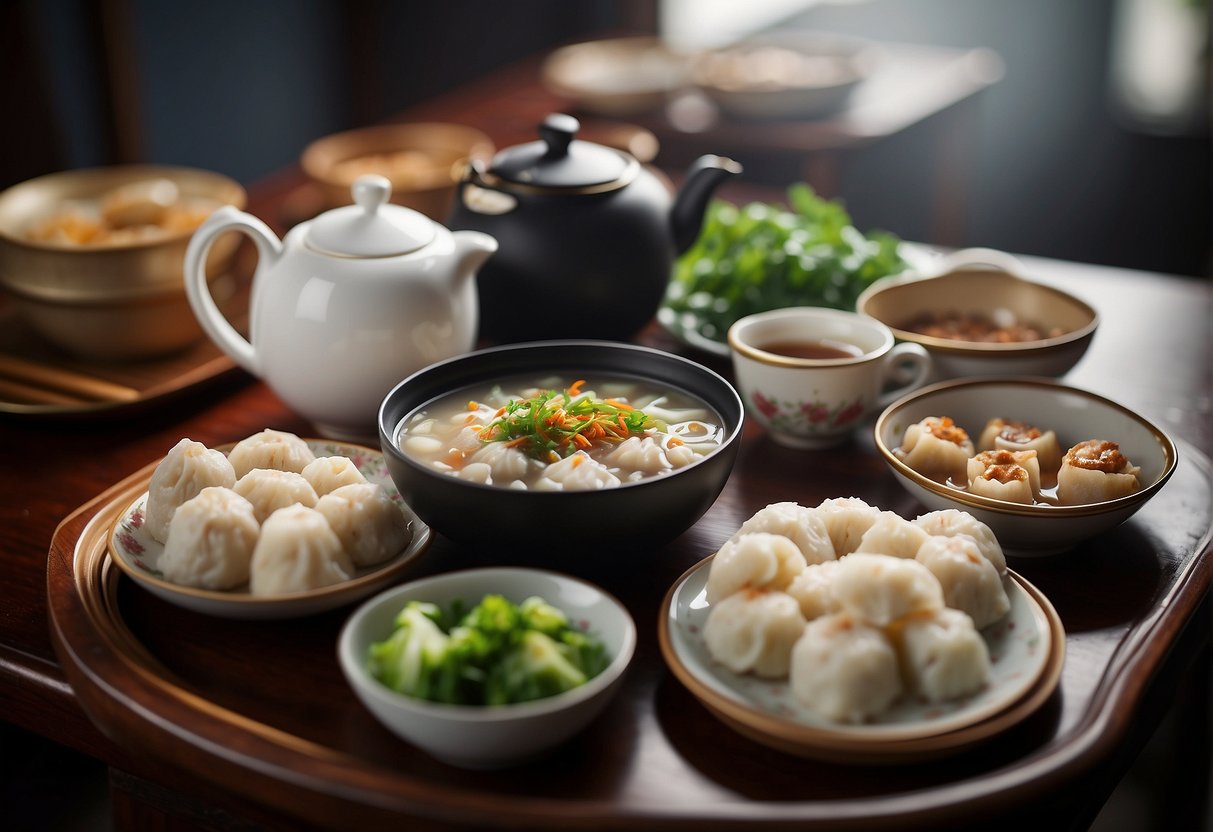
[560,160]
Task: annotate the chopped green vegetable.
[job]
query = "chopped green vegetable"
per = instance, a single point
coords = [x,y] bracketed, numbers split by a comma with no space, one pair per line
[555,424]
[763,256]
[497,653]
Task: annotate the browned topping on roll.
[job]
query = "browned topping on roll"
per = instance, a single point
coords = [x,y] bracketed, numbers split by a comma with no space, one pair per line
[1019,432]
[1097,455]
[947,430]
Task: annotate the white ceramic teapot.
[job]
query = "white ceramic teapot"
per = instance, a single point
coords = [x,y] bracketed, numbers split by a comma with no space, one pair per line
[347,304]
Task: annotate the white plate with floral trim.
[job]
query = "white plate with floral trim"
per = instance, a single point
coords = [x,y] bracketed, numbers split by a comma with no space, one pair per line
[137,553]
[1027,649]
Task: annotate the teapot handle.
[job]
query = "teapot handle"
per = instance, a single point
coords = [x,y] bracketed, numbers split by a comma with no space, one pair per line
[269,249]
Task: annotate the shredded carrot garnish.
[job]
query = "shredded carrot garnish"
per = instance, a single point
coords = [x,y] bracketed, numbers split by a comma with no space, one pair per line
[473,405]
[674,442]
[575,388]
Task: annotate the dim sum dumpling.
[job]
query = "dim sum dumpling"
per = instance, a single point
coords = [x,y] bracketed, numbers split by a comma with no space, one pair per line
[844,670]
[757,560]
[328,473]
[1008,435]
[576,472]
[950,521]
[1013,476]
[846,520]
[938,448]
[880,589]
[274,449]
[802,525]
[297,551]
[187,469]
[942,655]
[753,632]
[367,521]
[1094,471]
[210,542]
[970,582]
[269,490]
[813,589]
[643,454]
[505,464]
[894,535]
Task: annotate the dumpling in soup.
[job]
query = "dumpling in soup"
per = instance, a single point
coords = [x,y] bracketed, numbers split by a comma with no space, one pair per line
[942,654]
[640,455]
[1007,435]
[578,472]
[846,520]
[328,473]
[844,670]
[269,490]
[210,542]
[758,560]
[880,589]
[894,535]
[813,589]
[970,582]
[1013,476]
[273,449]
[297,551]
[803,526]
[937,448]
[950,521]
[187,469]
[367,521]
[505,464]
[753,632]
[1094,471]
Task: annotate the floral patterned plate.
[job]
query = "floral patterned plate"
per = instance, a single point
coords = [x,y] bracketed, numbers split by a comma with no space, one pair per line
[1027,648]
[136,553]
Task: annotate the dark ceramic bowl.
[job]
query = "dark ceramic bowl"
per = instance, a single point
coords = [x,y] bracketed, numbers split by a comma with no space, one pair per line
[648,512]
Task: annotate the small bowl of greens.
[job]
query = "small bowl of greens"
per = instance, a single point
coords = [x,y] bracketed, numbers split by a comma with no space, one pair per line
[765,256]
[485,668]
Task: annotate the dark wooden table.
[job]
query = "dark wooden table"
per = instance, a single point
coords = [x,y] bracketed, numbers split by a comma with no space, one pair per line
[253,722]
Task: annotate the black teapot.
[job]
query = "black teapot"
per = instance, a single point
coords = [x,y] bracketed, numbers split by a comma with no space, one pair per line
[587,236]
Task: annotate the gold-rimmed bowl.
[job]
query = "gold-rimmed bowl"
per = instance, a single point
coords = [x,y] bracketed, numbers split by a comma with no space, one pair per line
[1075,415]
[979,282]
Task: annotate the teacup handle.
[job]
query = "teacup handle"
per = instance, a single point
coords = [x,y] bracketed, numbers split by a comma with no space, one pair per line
[905,361]
[979,257]
[269,249]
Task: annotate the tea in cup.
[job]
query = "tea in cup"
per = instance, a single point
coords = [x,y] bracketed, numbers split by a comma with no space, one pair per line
[810,375]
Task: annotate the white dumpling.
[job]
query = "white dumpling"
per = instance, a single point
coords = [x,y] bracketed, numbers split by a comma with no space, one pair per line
[269,490]
[1013,476]
[328,473]
[880,589]
[505,464]
[950,521]
[643,454]
[577,472]
[942,655]
[802,525]
[1007,435]
[367,521]
[274,449]
[187,469]
[970,582]
[813,589]
[938,448]
[846,519]
[210,542]
[753,632]
[680,455]
[296,552]
[894,535]
[1094,471]
[758,560]
[844,670]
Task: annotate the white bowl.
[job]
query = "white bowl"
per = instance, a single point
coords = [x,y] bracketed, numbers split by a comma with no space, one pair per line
[490,736]
[1075,415]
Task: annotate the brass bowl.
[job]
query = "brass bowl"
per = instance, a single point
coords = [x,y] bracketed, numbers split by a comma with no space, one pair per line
[424,161]
[112,300]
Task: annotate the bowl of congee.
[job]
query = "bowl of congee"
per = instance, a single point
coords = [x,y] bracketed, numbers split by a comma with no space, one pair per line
[977,315]
[559,445]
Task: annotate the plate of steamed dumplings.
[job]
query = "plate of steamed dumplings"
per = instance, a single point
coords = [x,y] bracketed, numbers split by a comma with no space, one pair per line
[852,633]
[273,526]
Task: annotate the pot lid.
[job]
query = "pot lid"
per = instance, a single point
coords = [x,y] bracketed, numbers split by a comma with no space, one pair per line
[371,227]
[559,159]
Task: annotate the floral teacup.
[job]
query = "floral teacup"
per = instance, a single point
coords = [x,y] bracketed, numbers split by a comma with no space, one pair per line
[810,375]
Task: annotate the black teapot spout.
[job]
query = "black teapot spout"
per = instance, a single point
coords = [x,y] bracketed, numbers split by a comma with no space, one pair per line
[687,212]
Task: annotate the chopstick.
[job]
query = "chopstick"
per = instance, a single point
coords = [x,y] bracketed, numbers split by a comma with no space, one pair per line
[54,385]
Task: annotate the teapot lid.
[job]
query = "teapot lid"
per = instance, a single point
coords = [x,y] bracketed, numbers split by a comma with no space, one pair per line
[371,227]
[560,160]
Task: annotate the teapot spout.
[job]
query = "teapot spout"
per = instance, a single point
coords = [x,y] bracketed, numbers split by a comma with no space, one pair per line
[687,212]
[472,249]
